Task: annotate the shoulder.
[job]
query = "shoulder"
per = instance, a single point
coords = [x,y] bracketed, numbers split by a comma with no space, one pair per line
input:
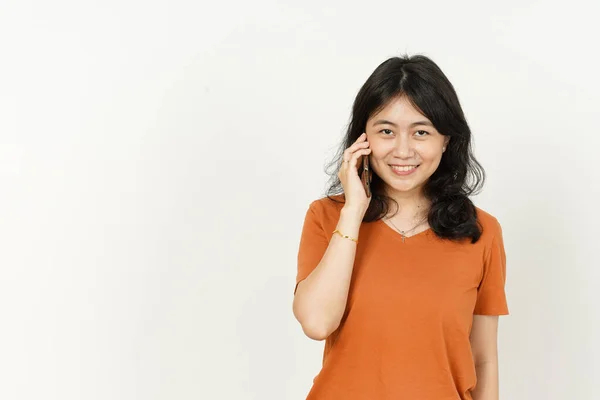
[489,224]
[327,209]
[328,205]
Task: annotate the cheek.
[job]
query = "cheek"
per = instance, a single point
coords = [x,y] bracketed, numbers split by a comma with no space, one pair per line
[377,158]
[429,153]
[379,149]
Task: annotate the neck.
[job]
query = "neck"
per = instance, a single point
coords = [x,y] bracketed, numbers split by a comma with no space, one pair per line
[410,204]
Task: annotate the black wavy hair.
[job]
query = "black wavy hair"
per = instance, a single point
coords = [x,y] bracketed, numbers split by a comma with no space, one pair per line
[452,214]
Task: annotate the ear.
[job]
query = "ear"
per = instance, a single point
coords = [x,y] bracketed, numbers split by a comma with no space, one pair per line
[446,140]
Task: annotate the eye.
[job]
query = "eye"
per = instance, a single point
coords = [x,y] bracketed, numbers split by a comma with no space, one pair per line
[425,133]
[386,130]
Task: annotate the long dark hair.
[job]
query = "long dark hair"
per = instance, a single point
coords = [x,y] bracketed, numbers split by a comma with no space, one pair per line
[452,214]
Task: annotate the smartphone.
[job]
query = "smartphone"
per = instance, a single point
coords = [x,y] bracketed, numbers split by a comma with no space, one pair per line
[365,175]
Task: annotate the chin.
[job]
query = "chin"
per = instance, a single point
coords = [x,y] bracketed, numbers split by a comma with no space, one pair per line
[405,189]
[402,186]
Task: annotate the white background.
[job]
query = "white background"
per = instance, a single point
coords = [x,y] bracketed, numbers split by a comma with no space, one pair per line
[157,159]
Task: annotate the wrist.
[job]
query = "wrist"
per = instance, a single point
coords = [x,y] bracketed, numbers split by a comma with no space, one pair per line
[353,212]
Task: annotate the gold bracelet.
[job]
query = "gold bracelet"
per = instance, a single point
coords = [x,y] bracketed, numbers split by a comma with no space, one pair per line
[345,236]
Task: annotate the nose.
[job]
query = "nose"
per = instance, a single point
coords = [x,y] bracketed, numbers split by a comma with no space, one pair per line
[403,147]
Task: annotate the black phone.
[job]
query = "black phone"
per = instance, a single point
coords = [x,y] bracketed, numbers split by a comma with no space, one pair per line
[365,175]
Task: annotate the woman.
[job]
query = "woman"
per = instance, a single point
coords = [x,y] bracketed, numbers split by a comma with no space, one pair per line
[406,285]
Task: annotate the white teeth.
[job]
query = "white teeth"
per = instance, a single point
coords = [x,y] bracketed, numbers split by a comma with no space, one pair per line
[405,168]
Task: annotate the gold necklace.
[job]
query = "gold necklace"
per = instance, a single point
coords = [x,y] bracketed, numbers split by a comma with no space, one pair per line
[403,233]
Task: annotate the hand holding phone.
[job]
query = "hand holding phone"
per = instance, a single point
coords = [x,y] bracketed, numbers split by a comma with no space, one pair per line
[365,174]
[355,174]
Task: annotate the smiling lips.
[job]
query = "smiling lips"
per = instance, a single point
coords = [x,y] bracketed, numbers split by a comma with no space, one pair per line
[403,169]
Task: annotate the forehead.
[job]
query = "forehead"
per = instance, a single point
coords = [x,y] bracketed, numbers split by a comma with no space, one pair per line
[399,110]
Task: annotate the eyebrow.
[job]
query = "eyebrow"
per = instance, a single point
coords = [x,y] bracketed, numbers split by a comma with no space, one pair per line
[386,122]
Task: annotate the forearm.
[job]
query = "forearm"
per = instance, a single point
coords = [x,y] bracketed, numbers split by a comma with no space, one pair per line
[487,387]
[320,300]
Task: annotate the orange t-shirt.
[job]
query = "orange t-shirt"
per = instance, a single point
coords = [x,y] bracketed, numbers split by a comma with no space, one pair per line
[405,331]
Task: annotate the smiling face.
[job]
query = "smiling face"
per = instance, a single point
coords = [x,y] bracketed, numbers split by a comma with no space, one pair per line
[406,147]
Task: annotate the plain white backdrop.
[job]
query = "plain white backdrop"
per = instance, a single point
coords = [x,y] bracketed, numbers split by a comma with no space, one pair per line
[157,159]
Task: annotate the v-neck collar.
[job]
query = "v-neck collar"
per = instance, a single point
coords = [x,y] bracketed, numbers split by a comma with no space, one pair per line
[408,239]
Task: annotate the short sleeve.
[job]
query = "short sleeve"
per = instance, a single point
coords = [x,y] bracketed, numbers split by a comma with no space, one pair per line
[313,243]
[491,296]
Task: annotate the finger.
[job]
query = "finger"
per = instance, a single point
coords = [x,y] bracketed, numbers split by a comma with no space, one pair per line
[356,146]
[355,156]
[361,138]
